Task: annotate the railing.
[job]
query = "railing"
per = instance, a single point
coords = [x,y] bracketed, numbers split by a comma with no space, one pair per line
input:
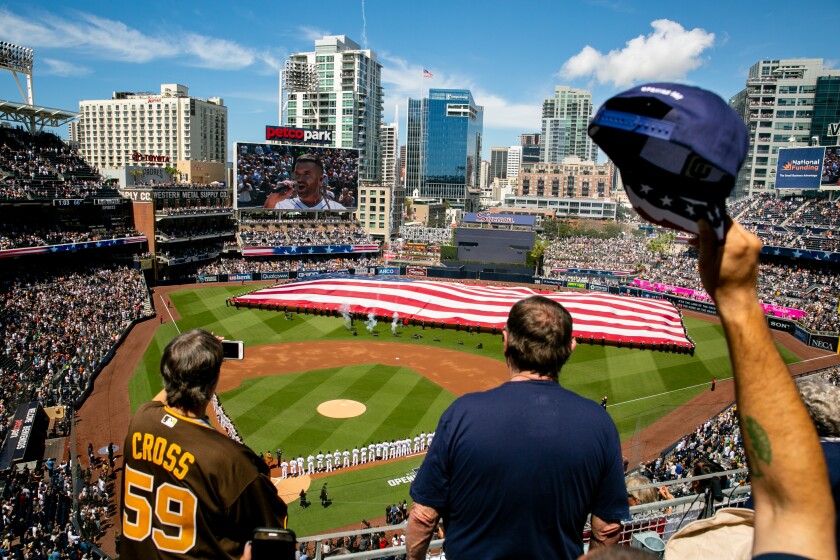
[664,517]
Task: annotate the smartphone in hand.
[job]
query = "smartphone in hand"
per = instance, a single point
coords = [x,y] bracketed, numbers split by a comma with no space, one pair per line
[273,544]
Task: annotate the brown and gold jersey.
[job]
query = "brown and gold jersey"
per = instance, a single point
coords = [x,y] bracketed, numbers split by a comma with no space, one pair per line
[190,491]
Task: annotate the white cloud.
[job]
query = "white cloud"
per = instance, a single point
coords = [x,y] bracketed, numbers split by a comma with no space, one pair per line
[669,52]
[502,113]
[108,39]
[62,68]
[211,52]
[402,80]
[312,33]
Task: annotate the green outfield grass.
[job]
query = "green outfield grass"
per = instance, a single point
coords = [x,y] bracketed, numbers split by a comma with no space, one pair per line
[355,495]
[399,403]
[279,411]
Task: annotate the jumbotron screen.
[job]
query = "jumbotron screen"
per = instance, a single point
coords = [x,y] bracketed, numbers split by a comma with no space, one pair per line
[265,175]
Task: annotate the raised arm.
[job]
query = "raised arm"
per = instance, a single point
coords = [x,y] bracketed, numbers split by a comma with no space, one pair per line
[793,503]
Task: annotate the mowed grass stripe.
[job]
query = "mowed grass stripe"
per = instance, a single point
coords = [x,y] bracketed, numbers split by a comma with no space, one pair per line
[322,433]
[269,410]
[429,420]
[418,410]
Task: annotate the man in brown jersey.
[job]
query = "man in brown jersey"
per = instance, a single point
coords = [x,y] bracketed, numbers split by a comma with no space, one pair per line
[190,491]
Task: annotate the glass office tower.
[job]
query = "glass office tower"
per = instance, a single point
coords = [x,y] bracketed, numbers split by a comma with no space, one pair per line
[443,153]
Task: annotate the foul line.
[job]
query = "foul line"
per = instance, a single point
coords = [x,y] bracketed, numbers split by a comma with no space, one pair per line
[702,384]
[171,318]
[668,392]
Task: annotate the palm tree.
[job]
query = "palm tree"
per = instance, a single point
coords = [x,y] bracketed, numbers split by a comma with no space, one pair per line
[540,245]
[135,173]
[173,172]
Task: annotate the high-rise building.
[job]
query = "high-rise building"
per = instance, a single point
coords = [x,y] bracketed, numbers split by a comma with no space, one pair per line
[530,148]
[389,140]
[338,87]
[782,108]
[152,129]
[513,161]
[402,166]
[532,138]
[484,181]
[498,162]
[443,155]
[565,120]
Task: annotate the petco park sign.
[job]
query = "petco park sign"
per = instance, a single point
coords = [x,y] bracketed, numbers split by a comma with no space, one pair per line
[298,135]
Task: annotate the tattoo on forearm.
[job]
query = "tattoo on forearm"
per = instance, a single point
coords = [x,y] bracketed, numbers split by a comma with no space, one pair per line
[760,450]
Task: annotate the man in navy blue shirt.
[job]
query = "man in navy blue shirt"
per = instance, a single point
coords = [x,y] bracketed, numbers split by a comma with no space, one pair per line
[517,469]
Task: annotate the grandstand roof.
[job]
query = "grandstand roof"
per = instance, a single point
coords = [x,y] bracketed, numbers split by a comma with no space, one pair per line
[33,117]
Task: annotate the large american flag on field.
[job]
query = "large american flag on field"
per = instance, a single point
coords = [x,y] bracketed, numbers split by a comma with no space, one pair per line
[596,315]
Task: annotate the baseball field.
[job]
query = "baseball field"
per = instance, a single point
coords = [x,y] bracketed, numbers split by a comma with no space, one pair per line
[404,377]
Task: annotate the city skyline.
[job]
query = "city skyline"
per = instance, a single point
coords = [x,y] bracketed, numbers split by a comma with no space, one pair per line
[510,60]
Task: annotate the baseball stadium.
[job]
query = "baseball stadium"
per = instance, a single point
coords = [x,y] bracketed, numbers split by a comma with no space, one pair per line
[346,348]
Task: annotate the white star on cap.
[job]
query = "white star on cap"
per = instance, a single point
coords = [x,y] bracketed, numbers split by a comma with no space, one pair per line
[645,188]
[667,200]
[689,209]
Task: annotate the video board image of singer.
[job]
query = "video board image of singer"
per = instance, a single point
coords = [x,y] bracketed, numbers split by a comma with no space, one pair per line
[265,177]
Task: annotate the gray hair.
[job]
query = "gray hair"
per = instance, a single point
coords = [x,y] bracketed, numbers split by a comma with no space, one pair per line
[643,495]
[823,403]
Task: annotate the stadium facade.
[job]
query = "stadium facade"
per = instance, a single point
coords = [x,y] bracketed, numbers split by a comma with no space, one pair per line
[338,87]
[443,147]
[571,178]
[158,129]
[787,103]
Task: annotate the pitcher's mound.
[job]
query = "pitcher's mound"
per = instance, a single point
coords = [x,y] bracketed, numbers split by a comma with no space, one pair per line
[341,408]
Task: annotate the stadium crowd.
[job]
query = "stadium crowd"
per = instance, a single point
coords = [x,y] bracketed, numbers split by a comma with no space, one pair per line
[806,285]
[193,210]
[43,166]
[717,441]
[13,237]
[243,266]
[793,222]
[37,507]
[57,329]
[344,234]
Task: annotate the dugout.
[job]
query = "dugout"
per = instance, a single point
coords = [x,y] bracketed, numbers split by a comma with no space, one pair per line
[27,437]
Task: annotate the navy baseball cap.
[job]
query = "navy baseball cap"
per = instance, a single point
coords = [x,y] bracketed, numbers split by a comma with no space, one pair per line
[678,148]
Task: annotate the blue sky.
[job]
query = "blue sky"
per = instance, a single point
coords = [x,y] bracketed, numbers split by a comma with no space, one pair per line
[511,54]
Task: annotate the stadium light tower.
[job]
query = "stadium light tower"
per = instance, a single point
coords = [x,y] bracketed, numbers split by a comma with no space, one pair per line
[296,77]
[19,59]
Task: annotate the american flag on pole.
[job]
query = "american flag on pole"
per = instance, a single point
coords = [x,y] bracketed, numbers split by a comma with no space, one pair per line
[427,74]
[596,315]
